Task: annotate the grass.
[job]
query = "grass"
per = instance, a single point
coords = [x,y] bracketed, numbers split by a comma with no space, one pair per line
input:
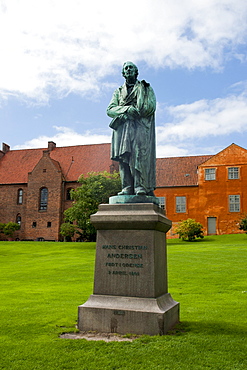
[43,283]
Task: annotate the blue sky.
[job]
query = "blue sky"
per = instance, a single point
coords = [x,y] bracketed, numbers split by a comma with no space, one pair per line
[61,61]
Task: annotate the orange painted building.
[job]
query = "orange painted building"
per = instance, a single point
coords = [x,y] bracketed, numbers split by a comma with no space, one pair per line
[210,189]
[35,187]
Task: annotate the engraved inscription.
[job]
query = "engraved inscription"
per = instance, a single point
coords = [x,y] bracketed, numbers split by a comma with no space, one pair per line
[123,267]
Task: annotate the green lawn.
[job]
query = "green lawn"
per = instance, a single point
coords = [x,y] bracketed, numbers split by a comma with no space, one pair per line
[42,284]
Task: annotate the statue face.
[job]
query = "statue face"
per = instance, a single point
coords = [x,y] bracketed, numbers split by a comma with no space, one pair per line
[129,70]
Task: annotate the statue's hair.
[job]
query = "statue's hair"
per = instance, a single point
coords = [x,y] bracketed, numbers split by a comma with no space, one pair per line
[135,67]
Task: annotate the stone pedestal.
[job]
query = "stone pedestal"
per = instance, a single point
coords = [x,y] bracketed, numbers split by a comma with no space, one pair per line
[130,283]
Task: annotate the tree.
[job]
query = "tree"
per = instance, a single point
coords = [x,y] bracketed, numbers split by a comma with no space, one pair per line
[67,230]
[95,189]
[189,230]
[2,228]
[243,223]
[10,228]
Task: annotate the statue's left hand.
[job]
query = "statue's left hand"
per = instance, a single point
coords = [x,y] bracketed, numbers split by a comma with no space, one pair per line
[133,112]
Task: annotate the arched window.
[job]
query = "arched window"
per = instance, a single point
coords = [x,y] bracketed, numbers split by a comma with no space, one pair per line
[19,196]
[68,194]
[18,219]
[43,199]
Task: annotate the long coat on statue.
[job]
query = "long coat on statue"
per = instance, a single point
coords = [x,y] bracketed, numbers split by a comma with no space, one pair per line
[133,139]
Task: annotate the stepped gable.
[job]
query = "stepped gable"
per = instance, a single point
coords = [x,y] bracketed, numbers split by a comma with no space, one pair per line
[77,160]
[178,171]
[15,165]
[73,160]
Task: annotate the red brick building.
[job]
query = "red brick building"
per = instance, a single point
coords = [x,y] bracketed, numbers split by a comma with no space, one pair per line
[35,186]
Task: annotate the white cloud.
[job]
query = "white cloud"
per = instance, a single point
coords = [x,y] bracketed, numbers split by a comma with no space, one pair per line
[65,137]
[166,150]
[190,131]
[56,46]
[204,118]
[192,126]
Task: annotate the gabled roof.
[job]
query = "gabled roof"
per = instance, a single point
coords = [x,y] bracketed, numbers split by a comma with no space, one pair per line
[73,160]
[81,159]
[178,171]
[231,155]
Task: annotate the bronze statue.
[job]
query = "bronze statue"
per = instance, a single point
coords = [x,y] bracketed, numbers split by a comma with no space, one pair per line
[132,111]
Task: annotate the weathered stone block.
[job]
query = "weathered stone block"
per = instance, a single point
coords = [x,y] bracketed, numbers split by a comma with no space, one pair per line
[130,284]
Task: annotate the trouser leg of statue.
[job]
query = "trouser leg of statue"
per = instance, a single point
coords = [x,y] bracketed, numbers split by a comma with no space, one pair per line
[131,182]
[139,189]
[126,178]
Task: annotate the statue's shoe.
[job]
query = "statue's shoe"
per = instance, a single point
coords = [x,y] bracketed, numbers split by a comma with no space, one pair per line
[140,191]
[125,192]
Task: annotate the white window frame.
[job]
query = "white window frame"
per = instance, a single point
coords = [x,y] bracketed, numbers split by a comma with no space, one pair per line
[180,204]
[210,174]
[233,173]
[234,203]
[162,202]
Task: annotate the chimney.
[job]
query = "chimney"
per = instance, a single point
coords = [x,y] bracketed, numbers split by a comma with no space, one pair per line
[5,149]
[46,153]
[51,145]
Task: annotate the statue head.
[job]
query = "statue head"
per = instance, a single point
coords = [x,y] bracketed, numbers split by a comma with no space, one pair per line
[126,67]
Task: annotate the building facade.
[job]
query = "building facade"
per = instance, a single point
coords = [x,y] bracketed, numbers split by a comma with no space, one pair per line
[35,187]
[210,189]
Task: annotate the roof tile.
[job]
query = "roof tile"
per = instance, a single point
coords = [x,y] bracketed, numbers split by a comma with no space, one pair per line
[81,159]
[74,161]
[178,171]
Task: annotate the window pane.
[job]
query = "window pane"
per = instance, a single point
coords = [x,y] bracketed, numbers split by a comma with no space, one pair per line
[20,196]
[210,174]
[162,202]
[18,219]
[234,203]
[180,204]
[43,198]
[233,173]
[68,194]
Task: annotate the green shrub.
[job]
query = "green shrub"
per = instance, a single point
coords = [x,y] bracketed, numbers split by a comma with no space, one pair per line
[67,230]
[243,223]
[189,230]
[10,228]
[1,228]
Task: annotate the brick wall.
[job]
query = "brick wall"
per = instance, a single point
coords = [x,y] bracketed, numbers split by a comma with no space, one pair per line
[205,199]
[44,223]
[9,207]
